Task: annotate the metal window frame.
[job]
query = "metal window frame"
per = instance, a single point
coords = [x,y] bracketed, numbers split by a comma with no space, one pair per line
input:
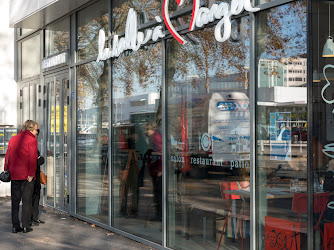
[310,191]
[111,132]
[252,102]
[73,89]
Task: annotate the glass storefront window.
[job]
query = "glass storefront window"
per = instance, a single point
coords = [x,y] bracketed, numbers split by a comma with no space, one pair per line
[92,141]
[281,127]
[146,11]
[207,125]
[24,31]
[263,1]
[208,141]
[31,57]
[137,143]
[57,37]
[90,21]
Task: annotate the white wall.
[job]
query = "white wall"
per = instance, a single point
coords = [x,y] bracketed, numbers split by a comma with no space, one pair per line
[4,187]
[8,87]
[290,94]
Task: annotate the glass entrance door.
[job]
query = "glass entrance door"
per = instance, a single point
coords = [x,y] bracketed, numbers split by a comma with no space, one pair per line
[57,127]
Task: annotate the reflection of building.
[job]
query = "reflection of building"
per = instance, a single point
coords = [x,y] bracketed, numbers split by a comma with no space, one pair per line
[234,82]
[134,107]
[282,87]
[282,82]
[288,72]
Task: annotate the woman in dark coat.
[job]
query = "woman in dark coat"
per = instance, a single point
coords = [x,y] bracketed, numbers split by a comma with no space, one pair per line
[37,193]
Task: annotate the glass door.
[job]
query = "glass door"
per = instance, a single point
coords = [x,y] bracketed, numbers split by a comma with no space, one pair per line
[28,101]
[57,170]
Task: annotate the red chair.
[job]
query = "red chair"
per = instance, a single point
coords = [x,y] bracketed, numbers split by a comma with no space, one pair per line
[320,200]
[230,197]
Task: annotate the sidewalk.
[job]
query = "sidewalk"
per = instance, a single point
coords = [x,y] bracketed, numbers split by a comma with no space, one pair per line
[60,231]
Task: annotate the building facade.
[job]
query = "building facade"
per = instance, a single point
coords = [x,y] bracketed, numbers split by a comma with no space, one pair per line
[187,124]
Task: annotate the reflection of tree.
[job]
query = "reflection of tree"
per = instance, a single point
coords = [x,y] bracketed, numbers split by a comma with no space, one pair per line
[92,81]
[142,67]
[286,30]
[59,43]
[205,57]
[93,91]
[146,10]
[88,36]
[92,77]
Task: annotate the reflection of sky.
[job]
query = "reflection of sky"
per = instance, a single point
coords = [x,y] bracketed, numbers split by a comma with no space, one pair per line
[138,89]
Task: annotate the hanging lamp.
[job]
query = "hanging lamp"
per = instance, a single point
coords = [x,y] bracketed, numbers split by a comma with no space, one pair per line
[328,50]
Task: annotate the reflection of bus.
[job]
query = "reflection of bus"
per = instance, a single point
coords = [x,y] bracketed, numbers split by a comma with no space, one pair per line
[229,126]
[218,128]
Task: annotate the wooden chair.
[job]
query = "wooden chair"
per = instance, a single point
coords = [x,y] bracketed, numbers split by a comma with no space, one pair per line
[229,199]
[132,154]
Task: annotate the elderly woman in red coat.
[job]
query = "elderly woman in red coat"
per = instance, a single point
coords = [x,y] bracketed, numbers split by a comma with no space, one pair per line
[21,160]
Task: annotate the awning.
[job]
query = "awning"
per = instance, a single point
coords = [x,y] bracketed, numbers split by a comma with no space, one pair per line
[35,14]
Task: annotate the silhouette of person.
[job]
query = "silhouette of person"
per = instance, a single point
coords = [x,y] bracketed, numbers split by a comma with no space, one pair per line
[154,162]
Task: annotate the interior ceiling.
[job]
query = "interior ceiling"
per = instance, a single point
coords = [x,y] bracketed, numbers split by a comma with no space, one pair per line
[49,14]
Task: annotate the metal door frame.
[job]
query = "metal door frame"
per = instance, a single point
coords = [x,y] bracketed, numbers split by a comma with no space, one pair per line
[61,76]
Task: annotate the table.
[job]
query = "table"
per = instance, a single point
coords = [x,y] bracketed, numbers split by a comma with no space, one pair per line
[272,194]
[278,193]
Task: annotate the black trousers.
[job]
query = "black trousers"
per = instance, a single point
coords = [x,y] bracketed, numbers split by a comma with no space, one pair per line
[35,200]
[21,190]
[157,190]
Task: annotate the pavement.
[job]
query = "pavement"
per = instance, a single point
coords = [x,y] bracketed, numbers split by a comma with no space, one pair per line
[60,231]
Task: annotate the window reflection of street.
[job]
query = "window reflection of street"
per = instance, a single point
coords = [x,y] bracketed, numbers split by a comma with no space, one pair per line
[208,133]
[281,160]
[92,141]
[137,160]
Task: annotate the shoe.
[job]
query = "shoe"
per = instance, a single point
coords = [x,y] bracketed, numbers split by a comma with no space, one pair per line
[16,230]
[39,221]
[27,229]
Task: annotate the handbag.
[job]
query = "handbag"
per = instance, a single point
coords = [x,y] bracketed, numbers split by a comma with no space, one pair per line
[43,178]
[5,176]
